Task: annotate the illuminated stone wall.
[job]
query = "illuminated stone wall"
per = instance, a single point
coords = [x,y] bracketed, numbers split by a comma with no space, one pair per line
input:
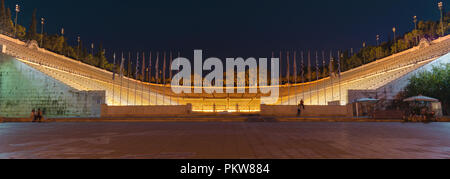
[309,111]
[23,88]
[393,88]
[145,111]
[398,85]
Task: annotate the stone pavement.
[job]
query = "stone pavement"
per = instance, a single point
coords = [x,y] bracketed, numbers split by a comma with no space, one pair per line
[218,140]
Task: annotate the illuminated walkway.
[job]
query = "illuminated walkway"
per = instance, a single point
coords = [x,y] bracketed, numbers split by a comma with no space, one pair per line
[224,140]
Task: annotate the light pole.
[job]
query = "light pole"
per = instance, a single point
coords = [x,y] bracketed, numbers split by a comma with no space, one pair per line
[415,27]
[378,40]
[15,25]
[395,43]
[415,22]
[441,5]
[62,35]
[92,49]
[42,30]
[78,53]
[378,44]
[364,56]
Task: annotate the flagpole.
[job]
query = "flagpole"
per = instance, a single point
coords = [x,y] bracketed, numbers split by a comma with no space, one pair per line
[228,96]
[281,75]
[150,78]
[295,75]
[170,67]
[324,75]
[136,80]
[114,76]
[317,78]
[157,76]
[164,69]
[121,79]
[164,78]
[288,73]
[170,76]
[303,75]
[310,77]
[179,55]
[288,78]
[331,75]
[129,79]
[228,100]
[157,68]
[339,72]
[143,78]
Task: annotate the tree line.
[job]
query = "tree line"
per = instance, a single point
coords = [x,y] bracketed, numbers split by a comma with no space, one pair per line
[53,42]
[429,30]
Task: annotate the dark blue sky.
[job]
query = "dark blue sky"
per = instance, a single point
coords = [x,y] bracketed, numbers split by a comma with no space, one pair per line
[228,28]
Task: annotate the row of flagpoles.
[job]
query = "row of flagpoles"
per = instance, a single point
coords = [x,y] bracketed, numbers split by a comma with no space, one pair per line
[144,68]
[310,77]
[161,74]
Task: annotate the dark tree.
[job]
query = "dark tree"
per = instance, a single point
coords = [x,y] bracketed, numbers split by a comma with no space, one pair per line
[32,32]
[7,23]
[435,83]
[2,13]
[100,57]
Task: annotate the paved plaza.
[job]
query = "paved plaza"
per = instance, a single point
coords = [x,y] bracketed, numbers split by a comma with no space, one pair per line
[246,140]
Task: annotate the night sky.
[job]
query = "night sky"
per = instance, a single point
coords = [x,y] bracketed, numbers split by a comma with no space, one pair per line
[227,28]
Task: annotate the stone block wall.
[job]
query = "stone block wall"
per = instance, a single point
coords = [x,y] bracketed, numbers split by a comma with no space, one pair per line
[392,89]
[309,111]
[23,88]
[145,111]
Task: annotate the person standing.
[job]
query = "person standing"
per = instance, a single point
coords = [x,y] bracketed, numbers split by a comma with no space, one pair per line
[302,104]
[33,115]
[39,115]
[299,109]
